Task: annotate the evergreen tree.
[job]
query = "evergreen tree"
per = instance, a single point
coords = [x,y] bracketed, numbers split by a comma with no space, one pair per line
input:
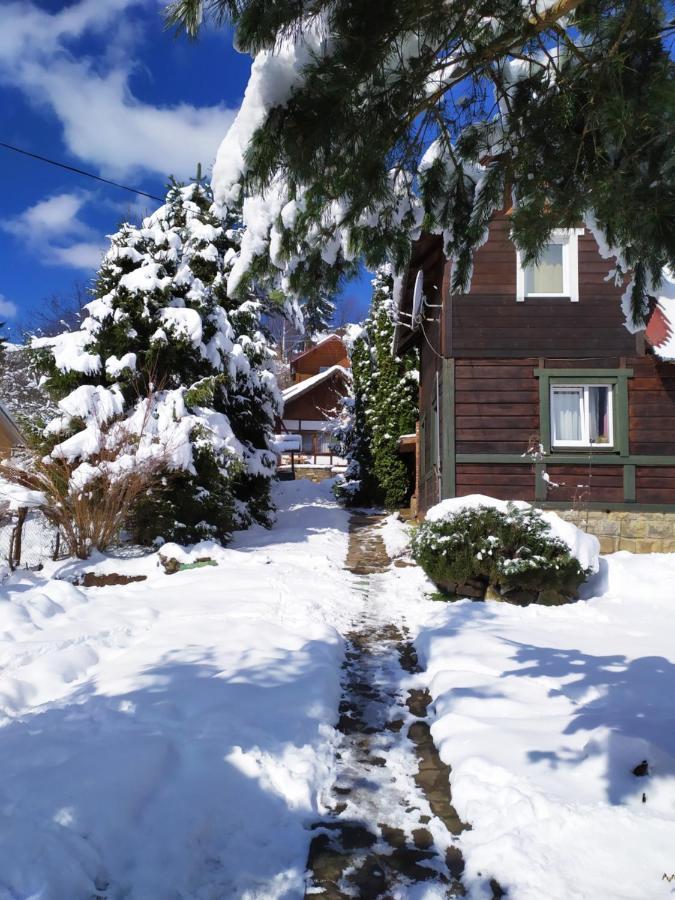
[364,121]
[383,407]
[163,350]
[317,312]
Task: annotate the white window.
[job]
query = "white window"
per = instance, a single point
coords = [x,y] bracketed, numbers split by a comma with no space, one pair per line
[556,273]
[582,415]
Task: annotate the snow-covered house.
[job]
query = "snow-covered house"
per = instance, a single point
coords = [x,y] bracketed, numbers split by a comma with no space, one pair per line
[311,404]
[533,388]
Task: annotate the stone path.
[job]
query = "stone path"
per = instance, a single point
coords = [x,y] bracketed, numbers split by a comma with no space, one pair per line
[391,823]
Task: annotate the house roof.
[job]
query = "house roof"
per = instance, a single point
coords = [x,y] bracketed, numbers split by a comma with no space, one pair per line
[302,387]
[325,340]
[425,255]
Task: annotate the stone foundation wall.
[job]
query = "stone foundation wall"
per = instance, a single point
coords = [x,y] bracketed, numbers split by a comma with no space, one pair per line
[639,532]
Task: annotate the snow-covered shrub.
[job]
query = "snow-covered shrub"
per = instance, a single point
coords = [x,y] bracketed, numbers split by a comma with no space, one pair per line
[510,549]
[89,503]
[164,350]
[384,406]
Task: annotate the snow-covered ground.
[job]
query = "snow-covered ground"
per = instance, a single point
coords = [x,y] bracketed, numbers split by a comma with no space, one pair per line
[170,738]
[542,713]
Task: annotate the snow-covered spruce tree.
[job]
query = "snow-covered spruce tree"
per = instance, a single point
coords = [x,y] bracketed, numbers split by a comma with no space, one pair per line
[364,121]
[317,312]
[383,407]
[163,350]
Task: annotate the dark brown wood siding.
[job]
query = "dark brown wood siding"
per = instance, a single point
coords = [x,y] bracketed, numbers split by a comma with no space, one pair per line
[321,402]
[655,485]
[585,483]
[496,405]
[503,482]
[331,352]
[489,322]
[652,407]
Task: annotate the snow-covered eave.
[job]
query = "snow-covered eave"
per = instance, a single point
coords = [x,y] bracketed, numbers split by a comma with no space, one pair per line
[302,387]
[422,256]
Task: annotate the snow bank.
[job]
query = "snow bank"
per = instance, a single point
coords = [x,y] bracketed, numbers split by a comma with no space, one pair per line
[15,497]
[585,547]
[542,714]
[396,536]
[171,737]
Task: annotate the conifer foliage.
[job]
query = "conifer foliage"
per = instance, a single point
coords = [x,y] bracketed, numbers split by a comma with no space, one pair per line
[383,407]
[166,358]
[364,121]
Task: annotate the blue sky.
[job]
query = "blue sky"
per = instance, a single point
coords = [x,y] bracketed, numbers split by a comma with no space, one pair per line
[101,85]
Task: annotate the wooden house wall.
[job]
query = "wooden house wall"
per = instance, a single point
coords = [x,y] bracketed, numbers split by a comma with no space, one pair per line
[490,322]
[321,402]
[485,349]
[497,413]
[329,353]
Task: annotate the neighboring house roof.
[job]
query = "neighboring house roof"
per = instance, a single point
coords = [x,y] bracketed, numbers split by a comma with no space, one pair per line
[302,387]
[660,332]
[314,347]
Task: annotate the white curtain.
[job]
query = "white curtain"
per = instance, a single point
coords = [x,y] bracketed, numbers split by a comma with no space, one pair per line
[566,414]
[546,277]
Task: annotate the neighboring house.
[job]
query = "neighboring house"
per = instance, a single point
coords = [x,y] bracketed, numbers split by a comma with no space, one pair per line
[532,388]
[10,436]
[320,382]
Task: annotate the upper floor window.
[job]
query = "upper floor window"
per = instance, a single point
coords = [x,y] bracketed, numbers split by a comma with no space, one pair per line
[556,273]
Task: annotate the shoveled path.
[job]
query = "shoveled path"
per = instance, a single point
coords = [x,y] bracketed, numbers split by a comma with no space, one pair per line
[391,824]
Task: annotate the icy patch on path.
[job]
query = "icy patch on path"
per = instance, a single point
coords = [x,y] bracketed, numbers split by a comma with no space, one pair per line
[392,829]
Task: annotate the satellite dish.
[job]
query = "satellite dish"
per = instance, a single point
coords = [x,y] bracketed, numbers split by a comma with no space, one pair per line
[417,297]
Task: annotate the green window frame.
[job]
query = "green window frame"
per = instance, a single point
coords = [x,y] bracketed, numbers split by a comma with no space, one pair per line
[617,378]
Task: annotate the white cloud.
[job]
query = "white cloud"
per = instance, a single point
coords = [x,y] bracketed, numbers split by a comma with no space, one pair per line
[55,217]
[82,255]
[103,122]
[54,231]
[8,310]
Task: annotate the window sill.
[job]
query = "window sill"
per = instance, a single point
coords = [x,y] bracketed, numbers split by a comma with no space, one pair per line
[583,451]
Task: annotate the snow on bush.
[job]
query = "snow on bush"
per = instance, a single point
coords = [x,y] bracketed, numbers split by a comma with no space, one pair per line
[584,547]
[512,548]
[164,356]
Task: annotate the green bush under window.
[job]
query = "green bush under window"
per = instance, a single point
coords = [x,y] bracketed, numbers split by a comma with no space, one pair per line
[513,553]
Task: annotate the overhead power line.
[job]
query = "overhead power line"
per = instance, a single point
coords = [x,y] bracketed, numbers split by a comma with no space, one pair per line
[60,165]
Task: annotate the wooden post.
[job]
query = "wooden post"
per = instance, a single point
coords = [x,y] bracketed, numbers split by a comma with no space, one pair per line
[17,534]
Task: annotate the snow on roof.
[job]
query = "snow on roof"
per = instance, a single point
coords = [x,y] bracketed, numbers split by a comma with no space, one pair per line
[324,340]
[661,328]
[302,387]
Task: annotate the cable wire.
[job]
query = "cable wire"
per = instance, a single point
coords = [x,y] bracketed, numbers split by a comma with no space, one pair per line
[60,165]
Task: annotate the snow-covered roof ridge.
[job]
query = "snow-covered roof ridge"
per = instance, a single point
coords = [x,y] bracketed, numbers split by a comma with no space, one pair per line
[296,390]
[324,340]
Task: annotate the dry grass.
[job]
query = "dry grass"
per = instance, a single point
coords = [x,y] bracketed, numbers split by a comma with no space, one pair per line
[91,516]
